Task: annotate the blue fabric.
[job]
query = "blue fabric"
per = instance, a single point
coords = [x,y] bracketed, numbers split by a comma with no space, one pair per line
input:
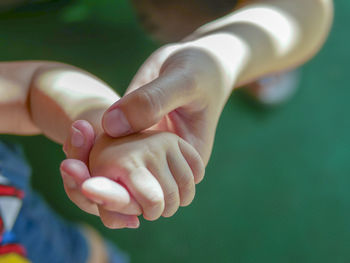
[13,166]
[46,237]
[8,238]
[115,255]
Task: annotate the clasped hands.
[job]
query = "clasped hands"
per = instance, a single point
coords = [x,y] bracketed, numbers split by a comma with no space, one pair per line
[156,142]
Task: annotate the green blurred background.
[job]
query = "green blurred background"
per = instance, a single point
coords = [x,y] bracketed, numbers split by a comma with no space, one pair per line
[277,185]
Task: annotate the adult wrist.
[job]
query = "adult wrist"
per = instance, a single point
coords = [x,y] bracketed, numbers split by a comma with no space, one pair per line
[231,53]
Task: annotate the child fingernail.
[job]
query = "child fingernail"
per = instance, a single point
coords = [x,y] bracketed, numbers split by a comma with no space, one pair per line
[116,124]
[77,139]
[69,181]
[133,224]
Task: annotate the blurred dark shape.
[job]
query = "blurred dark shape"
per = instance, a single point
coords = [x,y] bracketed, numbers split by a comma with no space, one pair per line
[172,20]
[30,5]
[7,4]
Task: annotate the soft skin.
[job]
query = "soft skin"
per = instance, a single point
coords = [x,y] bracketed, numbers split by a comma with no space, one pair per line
[159,170]
[47,97]
[183,87]
[35,97]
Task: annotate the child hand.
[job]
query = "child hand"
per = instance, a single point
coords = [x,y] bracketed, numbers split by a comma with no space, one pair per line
[158,169]
[75,172]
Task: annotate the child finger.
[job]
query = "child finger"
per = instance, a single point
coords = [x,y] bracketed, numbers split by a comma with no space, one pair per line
[74,173]
[183,176]
[146,190]
[169,186]
[193,159]
[81,201]
[110,195]
[115,220]
[80,140]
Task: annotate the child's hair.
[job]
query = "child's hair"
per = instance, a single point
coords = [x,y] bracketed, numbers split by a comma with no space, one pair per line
[218,7]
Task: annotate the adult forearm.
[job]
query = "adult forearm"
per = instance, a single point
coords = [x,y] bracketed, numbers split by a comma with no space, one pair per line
[272,35]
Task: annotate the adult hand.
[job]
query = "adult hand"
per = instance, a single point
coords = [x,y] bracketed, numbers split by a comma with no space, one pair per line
[181,88]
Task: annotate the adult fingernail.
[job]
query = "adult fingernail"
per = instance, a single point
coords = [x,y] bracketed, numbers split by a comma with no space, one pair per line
[116,124]
[69,181]
[77,139]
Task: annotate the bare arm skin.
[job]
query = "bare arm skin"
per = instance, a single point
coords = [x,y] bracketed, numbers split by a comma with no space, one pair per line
[46,97]
[271,35]
[182,87]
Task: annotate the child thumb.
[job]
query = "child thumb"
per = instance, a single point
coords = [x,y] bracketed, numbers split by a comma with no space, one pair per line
[79,141]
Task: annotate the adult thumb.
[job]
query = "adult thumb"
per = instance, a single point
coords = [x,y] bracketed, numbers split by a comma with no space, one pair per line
[148,104]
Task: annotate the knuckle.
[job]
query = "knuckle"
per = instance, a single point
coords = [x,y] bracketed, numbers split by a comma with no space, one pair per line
[189,82]
[152,154]
[131,162]
[149,102]
[165,140]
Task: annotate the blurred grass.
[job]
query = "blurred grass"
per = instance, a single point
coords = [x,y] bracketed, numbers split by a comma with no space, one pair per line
[277,186]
